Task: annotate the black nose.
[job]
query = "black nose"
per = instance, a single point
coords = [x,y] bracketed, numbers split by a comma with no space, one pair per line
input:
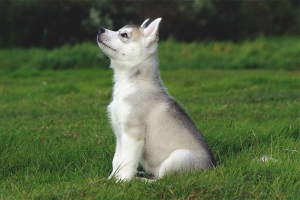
[101,30]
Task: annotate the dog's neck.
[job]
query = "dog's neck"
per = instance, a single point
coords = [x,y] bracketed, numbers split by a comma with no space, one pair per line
[146,71]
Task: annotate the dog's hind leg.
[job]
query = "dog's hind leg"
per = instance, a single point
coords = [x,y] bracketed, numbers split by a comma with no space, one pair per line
[181,160]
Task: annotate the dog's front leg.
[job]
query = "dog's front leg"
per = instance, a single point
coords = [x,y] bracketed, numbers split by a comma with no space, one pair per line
[127,156]
[116,159]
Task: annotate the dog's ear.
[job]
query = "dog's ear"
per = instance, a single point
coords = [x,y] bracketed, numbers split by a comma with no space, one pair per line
[144,23]
[151,32]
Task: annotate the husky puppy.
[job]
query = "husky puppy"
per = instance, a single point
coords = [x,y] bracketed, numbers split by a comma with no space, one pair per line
[149,125]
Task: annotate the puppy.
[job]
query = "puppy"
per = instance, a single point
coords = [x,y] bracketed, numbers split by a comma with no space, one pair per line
[149,125]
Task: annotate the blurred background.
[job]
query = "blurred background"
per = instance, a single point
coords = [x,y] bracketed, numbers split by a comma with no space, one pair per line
[54,24]
[50,24]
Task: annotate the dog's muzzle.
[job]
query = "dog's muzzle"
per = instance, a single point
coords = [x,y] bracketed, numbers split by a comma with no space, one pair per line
[101,31]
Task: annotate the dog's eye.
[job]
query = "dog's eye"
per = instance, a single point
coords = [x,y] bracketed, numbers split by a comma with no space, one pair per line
[124,35]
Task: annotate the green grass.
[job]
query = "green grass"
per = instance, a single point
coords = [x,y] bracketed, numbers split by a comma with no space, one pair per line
[261,53]
[56,141]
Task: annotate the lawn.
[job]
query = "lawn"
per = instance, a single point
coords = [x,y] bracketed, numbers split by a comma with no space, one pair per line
[56,141]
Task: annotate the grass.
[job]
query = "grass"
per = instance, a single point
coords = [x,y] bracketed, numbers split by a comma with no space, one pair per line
[56,141]
[261,53]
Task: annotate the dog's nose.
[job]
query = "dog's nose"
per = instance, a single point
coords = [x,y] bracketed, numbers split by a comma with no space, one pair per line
[101,30]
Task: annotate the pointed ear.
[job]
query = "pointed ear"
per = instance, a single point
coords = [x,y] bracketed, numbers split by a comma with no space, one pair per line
[151,32]
[144,23]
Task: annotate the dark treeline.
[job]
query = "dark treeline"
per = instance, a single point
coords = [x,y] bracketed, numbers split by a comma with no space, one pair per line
[53,23]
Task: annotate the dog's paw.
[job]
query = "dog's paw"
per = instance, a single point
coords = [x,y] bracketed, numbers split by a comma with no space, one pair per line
[145,179]
[118,177]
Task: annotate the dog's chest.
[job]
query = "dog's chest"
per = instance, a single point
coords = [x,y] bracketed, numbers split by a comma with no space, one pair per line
[120,108]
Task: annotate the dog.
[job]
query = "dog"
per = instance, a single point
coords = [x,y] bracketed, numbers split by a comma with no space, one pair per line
[151,128]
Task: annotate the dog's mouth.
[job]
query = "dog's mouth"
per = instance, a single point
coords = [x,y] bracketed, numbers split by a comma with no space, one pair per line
[105,45]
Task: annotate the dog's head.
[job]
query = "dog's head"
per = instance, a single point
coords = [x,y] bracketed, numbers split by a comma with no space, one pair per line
[131,44]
